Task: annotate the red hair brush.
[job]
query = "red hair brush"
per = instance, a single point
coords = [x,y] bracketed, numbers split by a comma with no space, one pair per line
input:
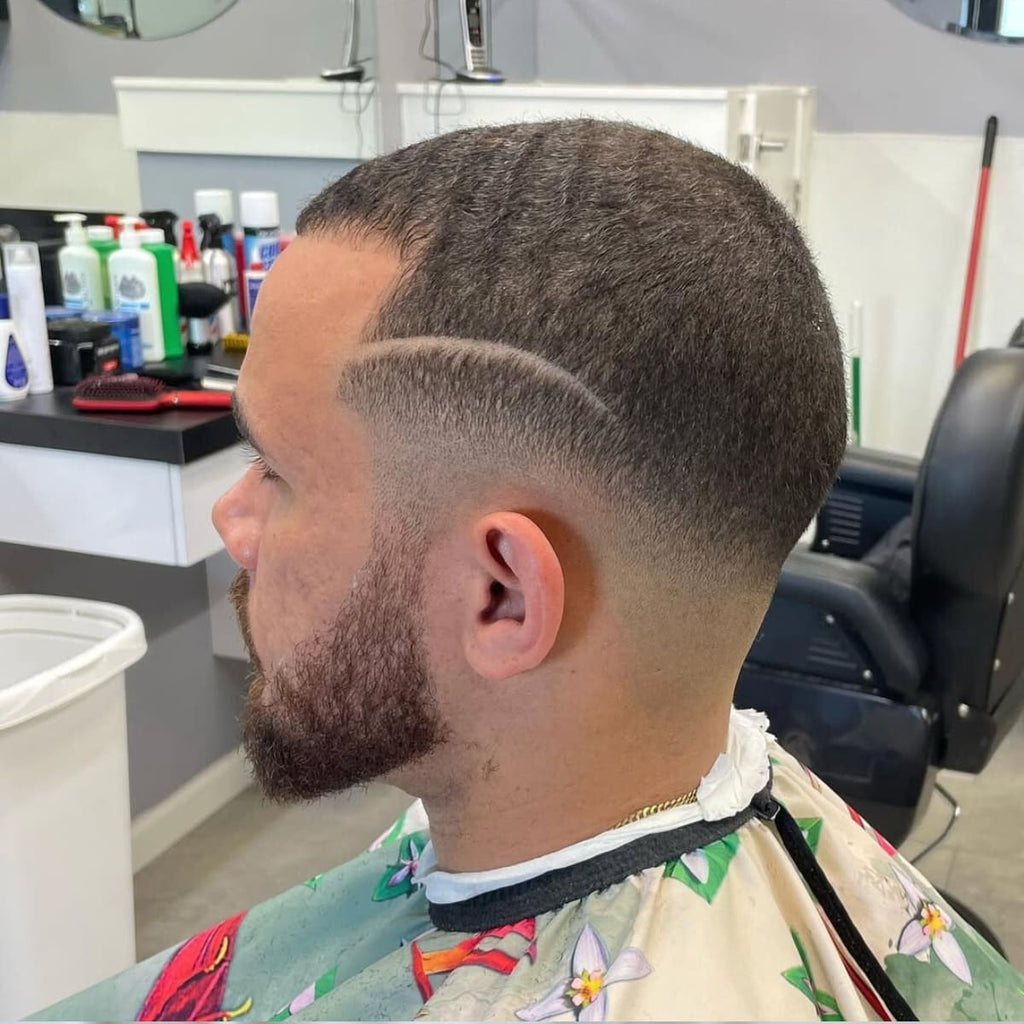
[128,392]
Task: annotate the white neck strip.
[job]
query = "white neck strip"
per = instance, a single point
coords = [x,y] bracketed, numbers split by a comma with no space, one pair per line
[735,777]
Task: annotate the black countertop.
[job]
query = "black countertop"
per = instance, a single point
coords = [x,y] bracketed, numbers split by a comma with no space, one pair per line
[177,437]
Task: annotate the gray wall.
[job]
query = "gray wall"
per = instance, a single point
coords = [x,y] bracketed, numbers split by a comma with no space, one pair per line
[875,69]
[168,180]
[50,64]
[513,36]
[183,704]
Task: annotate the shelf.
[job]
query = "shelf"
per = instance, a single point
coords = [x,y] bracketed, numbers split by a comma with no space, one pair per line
[291,117]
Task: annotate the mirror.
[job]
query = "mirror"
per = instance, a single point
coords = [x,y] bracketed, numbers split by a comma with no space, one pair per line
[140,19]
[993,21]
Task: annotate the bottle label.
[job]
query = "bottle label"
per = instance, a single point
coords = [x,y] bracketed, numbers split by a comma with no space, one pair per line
[130,292]
[15,370]
[131,296]
[76,291]
[252,289]
[262,246]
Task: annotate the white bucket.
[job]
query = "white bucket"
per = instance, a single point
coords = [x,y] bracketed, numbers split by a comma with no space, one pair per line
[66,903]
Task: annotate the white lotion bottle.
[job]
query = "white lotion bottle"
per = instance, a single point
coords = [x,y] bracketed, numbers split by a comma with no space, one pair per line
[135,288]
[81,278]
[28,311]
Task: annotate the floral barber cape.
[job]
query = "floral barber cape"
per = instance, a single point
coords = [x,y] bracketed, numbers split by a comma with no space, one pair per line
[727,927]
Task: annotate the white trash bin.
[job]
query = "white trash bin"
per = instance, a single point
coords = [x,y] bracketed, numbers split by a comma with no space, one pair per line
[66,902]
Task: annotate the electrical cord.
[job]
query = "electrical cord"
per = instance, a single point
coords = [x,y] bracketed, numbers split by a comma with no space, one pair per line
[955,813]
[435,58]
[362,105]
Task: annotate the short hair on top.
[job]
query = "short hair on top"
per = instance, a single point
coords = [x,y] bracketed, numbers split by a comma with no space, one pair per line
[645,316]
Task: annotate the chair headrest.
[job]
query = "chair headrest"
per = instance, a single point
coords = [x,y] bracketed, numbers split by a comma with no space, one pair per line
[969,503]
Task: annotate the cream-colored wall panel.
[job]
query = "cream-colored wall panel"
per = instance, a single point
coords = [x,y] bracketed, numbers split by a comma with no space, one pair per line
[889,217]
[66,161]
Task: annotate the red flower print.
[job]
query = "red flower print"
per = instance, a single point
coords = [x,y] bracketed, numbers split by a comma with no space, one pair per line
[191,986]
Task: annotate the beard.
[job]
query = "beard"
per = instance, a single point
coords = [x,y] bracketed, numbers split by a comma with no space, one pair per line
[356,701]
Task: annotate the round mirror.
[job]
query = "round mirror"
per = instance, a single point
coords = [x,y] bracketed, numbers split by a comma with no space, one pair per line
[994,21]
[140,19]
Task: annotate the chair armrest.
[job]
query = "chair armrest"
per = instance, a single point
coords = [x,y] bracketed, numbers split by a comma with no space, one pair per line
[874,490]
[857,596]
[867,467]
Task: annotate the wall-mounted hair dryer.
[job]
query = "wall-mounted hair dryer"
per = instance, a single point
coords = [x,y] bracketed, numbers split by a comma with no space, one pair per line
[349,71]
[476,42]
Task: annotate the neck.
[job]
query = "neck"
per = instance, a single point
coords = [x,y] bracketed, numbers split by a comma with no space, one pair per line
[554,780]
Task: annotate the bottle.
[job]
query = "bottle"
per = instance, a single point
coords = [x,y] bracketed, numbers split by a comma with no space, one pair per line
[219,270]
[135,288]
[13,368]
[80,271]
[261,225]
[165,221]
[28,311]
[125,328]
[254,278]
[101,238]
[190,267]
[220,203]
[153,240]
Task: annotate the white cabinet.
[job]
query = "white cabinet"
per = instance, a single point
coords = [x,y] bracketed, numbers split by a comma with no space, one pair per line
[767,129]
[106,505]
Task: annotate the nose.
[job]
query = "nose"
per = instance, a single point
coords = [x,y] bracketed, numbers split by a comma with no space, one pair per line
[235,519]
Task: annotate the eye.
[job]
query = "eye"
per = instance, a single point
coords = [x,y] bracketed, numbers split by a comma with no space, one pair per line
[259,464]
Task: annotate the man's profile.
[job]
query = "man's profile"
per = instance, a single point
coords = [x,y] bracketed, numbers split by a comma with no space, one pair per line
[537,413]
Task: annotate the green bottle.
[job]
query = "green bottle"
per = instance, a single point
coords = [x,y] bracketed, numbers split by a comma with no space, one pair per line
[101,238]
[167,278]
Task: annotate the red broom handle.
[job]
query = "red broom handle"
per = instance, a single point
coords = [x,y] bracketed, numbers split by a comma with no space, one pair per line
[979,222]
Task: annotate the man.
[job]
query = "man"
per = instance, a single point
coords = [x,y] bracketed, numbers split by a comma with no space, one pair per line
[537,413]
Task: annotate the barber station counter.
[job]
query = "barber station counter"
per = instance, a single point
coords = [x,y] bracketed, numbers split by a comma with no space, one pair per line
[138,486]
[117,508]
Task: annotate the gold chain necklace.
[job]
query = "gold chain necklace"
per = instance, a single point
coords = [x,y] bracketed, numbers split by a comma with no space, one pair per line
[646,812]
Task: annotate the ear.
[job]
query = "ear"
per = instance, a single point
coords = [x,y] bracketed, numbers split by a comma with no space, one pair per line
[517,596]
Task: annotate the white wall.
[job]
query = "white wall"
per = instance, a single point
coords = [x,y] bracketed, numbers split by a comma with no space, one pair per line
[93,172]
[889,217]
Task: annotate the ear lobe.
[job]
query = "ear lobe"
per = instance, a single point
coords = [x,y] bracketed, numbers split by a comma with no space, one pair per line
[520,597]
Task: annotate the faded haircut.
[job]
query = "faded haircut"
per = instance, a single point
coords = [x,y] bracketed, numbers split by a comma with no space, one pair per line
[645,319]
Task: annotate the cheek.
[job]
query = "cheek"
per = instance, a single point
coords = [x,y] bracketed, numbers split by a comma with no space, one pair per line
[302,580]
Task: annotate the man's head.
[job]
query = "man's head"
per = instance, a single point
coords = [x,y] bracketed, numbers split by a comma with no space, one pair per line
[551,396]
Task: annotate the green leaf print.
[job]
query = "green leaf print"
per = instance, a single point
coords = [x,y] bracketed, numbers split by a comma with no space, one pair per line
[802,977]
[704,870]
[397,879]
[811,828]
[314,882]
[324,984]
[934,991]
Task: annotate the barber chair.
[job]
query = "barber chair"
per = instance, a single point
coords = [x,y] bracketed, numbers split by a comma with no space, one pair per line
[894,646]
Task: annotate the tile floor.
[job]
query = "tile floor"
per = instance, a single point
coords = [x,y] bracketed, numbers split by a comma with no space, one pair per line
[250,850]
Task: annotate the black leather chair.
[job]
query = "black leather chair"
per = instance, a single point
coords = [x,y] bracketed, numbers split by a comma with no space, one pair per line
[895,645]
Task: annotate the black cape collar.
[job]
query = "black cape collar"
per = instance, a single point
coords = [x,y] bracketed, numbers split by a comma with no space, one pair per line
[556,888]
